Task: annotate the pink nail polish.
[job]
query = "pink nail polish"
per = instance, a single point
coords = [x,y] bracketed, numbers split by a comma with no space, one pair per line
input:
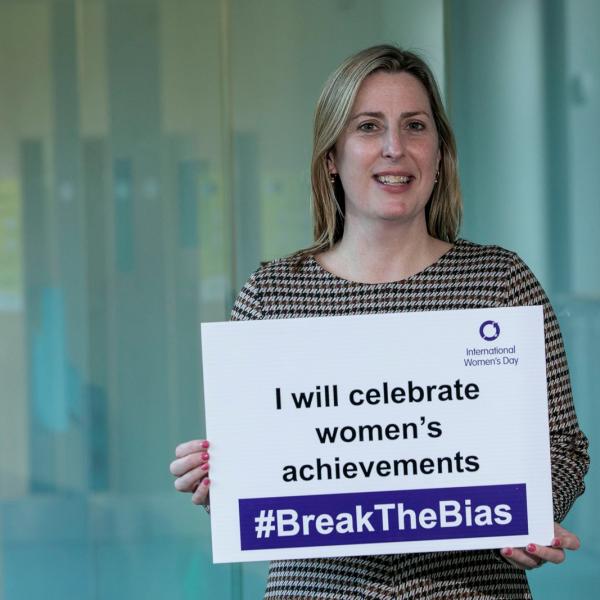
[205,444]
[556,543]
[204,467]
[206,481]
[507,552]
[531,548]
[204,456]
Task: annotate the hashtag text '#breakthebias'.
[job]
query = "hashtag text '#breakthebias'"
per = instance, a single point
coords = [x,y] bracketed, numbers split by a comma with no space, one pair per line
[383,516]
[447,514]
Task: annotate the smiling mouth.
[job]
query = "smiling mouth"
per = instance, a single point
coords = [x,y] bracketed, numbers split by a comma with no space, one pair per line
[393,179]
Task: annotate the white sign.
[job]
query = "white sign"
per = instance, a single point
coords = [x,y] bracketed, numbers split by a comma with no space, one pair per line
[377,434]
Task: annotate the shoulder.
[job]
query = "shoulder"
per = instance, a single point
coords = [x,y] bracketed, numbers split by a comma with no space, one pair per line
[274,282]
[494,258]
[289,270]
[518,283]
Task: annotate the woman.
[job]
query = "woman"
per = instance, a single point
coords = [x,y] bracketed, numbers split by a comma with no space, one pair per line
[387,207]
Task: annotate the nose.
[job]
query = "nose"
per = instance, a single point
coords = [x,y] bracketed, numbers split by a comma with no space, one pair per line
[393,145]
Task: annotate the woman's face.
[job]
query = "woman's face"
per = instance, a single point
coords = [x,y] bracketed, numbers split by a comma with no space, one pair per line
[388,155]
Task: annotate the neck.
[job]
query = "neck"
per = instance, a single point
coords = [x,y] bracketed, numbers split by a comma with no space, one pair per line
[387,252]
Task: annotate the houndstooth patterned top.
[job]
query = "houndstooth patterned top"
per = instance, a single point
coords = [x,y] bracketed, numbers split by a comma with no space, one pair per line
[467,276]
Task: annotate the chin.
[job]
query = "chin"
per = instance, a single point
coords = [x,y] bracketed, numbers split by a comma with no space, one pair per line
[399,215]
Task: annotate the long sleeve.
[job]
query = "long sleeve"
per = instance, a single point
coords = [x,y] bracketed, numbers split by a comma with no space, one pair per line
[568,444]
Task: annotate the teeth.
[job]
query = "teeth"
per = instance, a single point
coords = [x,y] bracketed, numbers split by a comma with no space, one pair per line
[393,179]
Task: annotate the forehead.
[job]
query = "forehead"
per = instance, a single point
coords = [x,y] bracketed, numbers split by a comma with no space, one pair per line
[390,90]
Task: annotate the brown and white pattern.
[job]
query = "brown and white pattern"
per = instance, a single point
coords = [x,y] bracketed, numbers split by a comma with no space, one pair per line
[468,276]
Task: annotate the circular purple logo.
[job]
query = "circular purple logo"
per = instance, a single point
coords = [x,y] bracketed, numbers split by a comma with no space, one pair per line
[489,330]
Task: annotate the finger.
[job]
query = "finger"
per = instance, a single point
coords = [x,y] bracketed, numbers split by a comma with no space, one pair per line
[200,496]
[181,466]
[191,447]
[189,481]
[520,559]
[553,555]
[564,538]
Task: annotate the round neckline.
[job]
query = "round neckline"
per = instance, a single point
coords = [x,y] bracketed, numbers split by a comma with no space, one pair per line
[345,281]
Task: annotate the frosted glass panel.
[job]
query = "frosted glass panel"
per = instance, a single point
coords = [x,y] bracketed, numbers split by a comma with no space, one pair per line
[153,152]
[114,245]
[524,91]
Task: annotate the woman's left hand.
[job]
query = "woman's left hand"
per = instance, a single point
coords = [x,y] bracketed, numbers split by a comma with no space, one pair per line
[534,555]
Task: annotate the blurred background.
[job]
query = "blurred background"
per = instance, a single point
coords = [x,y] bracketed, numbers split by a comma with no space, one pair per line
[152,152]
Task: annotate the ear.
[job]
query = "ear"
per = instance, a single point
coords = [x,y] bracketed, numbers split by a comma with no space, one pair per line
[331,163]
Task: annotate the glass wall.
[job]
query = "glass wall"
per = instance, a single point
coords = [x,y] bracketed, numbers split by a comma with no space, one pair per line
[153,152]
[525,102]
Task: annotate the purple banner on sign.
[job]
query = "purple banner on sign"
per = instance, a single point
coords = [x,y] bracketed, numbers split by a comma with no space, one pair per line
[373,517]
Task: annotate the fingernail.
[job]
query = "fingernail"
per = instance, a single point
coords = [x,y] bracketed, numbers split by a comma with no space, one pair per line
[556,543]
[204,467]
[506,551]
[205,444]
[531,548]
[204,456]
[206,481]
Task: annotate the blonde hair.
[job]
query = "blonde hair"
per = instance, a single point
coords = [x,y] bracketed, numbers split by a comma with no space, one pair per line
[444,209]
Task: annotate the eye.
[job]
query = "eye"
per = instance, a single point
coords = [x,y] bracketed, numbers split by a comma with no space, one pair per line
[368,126]
[416,126]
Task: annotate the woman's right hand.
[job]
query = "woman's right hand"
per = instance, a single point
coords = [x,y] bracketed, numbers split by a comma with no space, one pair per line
[190,469]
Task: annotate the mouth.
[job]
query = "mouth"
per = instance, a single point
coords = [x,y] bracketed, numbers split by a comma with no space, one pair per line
[394,179]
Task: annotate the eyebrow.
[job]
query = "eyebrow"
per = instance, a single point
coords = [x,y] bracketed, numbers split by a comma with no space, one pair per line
[380,115]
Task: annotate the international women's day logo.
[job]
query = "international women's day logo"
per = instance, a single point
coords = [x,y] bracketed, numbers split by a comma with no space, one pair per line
[489,330]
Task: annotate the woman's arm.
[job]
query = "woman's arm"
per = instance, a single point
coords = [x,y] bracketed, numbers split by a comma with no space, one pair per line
[568,445]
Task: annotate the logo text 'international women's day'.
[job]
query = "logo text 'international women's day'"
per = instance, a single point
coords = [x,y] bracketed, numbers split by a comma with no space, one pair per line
[489,331]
